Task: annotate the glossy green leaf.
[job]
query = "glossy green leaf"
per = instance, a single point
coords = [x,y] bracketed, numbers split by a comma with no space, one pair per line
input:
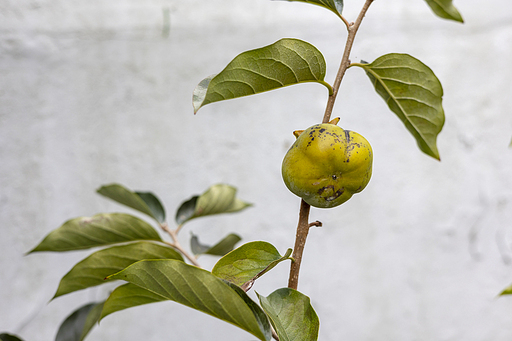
[77,325]
[413,92]
[286,62]
[248,262]
[9,337]
[220,198]
[92,270]
[334,5]
[197,289]
[220,249]
[128,296]
[144,202]
[99,230]
[291,315]
[445,9]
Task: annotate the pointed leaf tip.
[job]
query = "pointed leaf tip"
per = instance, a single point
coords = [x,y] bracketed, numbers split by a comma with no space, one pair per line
[445,9]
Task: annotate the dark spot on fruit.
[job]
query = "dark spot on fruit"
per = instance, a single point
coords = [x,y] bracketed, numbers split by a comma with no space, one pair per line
[335,194]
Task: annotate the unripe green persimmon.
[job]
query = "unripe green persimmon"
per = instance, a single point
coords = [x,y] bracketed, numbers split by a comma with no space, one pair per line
[326,165]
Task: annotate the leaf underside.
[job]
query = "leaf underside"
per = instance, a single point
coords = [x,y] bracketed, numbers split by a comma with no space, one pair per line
[445,9]
[220,249]
[413,92]
[92,270]
[286,62]
[99,230]
[291,315]
[77,325]
[334,5]
[196,288]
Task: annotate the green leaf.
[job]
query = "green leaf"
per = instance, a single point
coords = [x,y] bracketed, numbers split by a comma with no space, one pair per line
[291,315]
[128,296]
[334,5]
[248,262]
[413,92]
[92,270]
[445,9]
[79,323]
[101,229]
[286,62]
[220,198]
[220,249]
[144,202]
[197,289]
[507,291]
[9,337]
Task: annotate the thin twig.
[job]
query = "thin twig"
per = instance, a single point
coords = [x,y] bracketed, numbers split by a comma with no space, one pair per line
[176,244]
[345,21]
[345,60]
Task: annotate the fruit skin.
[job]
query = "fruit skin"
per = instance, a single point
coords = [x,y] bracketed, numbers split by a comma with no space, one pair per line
[326,165]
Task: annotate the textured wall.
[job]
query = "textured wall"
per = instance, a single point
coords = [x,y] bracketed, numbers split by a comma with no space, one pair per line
[93,92]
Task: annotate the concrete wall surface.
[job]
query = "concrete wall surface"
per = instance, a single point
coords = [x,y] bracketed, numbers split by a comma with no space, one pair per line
[94,92]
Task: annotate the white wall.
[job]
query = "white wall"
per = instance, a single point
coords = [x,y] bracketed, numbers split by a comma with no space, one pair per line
[93,92]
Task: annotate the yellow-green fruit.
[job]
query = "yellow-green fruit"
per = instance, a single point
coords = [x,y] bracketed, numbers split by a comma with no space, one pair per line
[326,165]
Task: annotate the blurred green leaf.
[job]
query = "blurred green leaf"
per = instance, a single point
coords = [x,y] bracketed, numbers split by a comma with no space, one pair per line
[248,262]
[286,62]
[99,230]
[334,5]
[413,92]
[144,202]
[197,289]
[507,291]
[220,198]
[9,337]
[92,270]
[220,249]
[291,315]
[77,325]
[445,9]
[128,296]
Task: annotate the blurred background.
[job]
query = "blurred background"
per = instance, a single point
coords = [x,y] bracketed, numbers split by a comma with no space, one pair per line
[94,92]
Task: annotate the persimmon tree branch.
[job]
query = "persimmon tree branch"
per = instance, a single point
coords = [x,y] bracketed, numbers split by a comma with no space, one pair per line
[176,244]
[303,224]
[300,241]
[345,60]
